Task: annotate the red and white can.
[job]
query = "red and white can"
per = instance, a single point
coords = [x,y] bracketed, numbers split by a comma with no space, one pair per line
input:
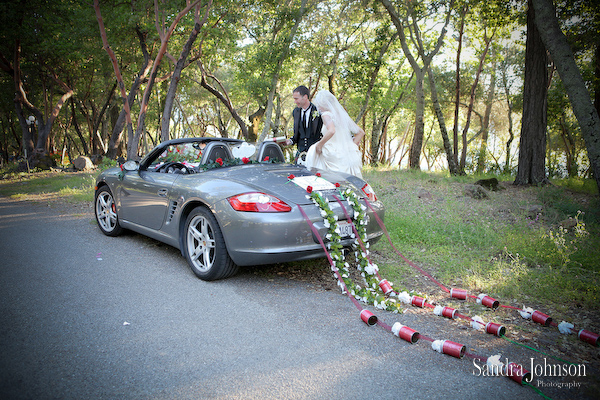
[460,294]
[385,286]
[448,312]
[517,373]
[495,329]
[490,302]
[541,318]
[408,334]
[418,301]
[588,337]
[368,317]
[453,349]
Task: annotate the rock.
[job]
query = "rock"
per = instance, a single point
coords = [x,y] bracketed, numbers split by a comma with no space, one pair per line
[83,163]
[424,194]
[475,191]
[489,184]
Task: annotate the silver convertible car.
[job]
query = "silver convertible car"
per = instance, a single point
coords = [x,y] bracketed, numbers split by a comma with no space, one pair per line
[225,203]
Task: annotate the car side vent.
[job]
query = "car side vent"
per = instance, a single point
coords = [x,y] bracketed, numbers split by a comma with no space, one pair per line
[172,208]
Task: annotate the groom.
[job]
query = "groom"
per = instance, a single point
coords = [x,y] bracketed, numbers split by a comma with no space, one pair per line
[307,122]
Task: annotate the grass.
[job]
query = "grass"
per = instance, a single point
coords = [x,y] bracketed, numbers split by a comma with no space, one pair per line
[70,187]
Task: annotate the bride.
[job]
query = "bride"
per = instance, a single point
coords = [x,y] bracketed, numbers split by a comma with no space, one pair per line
[338,148]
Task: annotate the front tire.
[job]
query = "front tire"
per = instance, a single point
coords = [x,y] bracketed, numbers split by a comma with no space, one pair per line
[204,246]
[106,212]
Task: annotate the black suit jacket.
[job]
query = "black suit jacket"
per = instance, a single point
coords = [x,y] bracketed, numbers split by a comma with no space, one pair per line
[306,138]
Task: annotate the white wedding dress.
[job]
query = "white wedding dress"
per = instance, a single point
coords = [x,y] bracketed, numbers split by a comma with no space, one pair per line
[339,153]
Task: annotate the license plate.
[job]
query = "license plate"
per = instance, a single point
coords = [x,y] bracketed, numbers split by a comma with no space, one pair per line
[345,228]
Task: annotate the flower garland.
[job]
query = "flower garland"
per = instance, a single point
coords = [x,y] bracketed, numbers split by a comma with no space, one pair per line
[371,293]
[220,163]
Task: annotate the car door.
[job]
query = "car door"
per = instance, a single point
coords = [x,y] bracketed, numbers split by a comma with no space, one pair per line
[145,197]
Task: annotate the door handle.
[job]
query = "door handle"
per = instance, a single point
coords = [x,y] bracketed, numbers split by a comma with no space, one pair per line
[163,192]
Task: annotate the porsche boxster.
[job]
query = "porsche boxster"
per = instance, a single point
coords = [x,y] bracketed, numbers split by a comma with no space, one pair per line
[226,203]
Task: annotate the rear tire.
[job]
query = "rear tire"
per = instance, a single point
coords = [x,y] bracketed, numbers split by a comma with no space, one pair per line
[105,210]
[204,246]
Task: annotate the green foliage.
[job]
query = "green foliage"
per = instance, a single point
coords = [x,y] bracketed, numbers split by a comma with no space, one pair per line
[107,163]
[339,45]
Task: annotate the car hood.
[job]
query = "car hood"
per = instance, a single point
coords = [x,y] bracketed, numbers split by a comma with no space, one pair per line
[289,181]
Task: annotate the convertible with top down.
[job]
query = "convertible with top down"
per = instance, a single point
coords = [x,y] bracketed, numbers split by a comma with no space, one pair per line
[226,203]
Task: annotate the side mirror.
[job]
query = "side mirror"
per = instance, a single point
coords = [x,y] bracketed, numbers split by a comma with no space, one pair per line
[131,165]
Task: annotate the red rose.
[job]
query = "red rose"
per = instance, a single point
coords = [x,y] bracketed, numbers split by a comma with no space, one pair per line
[318,174]
[291,176]
[219,161]
[337,184]
[245,160]
[309,189]
[266,158]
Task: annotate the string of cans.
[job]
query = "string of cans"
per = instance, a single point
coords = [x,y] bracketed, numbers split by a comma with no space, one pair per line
[513,370]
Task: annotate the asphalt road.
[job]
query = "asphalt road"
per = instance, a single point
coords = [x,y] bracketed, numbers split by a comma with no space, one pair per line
[85,316]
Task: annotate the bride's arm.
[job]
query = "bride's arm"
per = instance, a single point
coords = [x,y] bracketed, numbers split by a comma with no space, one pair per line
[328,135]
[358,137]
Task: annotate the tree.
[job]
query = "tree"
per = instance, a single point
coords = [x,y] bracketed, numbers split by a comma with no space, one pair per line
[409,22]
[556,43]
[532,148]
[450,155]
[30,41]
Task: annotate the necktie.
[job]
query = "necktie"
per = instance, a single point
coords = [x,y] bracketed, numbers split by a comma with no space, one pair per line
[304,118]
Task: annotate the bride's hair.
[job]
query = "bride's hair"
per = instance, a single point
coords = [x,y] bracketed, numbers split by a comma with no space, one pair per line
[325,101]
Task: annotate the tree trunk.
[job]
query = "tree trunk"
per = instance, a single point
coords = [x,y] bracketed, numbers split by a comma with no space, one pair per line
[170,99]
[414,159]
[457,83]
[133,145]
[417,142]
[442,124]
[481,160]
[583,108]
[376,134]
[179,66]
[78,130]
[100,117]
[532,151]
[463,156]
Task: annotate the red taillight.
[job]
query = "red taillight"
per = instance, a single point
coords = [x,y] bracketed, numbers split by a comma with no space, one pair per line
[258,202]
[369,192]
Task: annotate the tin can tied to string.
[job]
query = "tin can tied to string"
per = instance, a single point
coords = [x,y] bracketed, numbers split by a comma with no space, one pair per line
[405,333]
[385,286]
[418,301]
[487,301]
[368,317]
[449,347]
[495,329]
[460,294]
[517,373]
[541,318]
[588,337]
[448,312]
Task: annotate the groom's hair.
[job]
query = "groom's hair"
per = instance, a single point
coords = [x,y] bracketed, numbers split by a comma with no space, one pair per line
[303,90]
